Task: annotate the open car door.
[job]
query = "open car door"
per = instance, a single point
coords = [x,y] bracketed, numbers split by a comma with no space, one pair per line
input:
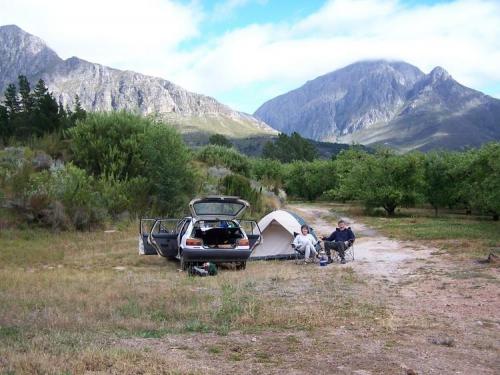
[163,237]
[253,232]
[145,226]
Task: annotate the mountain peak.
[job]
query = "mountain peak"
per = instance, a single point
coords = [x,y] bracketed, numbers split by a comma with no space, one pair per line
[22,53]
[12,29]
[439,73]
[386,102]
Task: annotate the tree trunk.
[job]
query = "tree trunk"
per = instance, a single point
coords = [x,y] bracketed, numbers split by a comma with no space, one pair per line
[390,209]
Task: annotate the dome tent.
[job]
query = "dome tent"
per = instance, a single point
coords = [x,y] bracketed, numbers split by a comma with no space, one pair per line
[278,230]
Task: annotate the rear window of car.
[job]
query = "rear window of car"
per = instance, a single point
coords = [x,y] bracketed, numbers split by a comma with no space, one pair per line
[218,208]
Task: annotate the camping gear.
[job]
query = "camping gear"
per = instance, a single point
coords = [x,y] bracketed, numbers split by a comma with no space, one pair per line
[323,259]
[198,271]
[207,269]
[278,230]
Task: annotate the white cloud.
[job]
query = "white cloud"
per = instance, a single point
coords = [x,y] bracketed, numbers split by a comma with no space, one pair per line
[461,36]
[226,8]
[121,33]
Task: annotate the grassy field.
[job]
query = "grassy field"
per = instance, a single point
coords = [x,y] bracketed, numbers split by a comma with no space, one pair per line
[74,303]
[65,298]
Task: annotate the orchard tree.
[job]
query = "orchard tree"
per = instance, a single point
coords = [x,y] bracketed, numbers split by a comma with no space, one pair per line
[484,179]
[309,180]
[386,180]
[440,187]
[349,188]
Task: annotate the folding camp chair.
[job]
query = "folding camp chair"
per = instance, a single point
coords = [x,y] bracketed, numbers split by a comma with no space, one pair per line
[348,253]
[300,254]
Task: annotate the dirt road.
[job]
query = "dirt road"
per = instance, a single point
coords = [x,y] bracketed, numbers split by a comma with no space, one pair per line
[375,254]
[446,314]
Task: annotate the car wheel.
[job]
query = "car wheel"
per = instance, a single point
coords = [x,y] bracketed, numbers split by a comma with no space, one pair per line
[184,264]
[241,265]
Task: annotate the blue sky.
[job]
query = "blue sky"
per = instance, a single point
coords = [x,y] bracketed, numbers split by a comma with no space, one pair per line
[244,52]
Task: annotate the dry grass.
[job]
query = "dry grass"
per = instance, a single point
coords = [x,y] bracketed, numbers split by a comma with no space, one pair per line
[63,302]
[73,303]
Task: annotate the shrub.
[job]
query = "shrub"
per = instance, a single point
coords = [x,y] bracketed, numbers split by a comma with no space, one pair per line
[241,186]
[219,140]
[168,168]
[63,195]
[128,150]
[270,172]
[110,144]
[227,157]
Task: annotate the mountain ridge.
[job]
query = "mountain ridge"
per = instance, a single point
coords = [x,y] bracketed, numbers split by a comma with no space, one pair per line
[387,102]
[102,88]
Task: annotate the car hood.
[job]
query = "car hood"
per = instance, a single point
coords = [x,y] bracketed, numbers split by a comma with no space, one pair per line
[218,207]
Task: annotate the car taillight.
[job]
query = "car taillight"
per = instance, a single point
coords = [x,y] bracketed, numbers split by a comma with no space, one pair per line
[243,242]
[194,242]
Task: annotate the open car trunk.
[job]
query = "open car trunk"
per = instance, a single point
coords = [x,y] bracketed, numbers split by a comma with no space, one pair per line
[217,234]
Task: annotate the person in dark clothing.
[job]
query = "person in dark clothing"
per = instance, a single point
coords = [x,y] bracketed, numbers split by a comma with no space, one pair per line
[341,238]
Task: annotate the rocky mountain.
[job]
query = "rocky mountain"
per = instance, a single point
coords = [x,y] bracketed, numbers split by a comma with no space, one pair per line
[386,102]
[101,88]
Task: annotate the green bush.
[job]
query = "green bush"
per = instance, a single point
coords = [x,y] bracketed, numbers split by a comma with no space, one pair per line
[240,186]
[65,197]
[269,172]
[214,155]
[110,144]
[128,150]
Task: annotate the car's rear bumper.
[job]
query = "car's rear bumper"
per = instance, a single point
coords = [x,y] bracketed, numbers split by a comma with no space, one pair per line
[216,255]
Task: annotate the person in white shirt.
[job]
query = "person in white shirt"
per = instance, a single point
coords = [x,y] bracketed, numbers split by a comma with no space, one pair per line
[305,242]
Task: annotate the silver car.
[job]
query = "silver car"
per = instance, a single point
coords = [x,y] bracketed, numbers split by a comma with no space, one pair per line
[213,233]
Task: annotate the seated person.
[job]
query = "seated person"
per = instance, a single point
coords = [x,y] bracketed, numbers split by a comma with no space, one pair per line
[341,238]
[305,242]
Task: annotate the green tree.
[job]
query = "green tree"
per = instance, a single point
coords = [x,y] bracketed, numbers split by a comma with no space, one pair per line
[110,144]
[484,179]
[344,163]
[167,167]
[219,140]
[386,180]
[5,130]
[47,116]
[309,180]
[440,186]
[290,148]
[269,172]
[237,185]
[78,112]
[12,100]
[26,95]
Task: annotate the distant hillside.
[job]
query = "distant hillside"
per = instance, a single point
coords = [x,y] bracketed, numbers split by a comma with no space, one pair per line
[101,88]
[389,103]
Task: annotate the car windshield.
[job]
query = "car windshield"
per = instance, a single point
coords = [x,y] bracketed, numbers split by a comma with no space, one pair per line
[218,208]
